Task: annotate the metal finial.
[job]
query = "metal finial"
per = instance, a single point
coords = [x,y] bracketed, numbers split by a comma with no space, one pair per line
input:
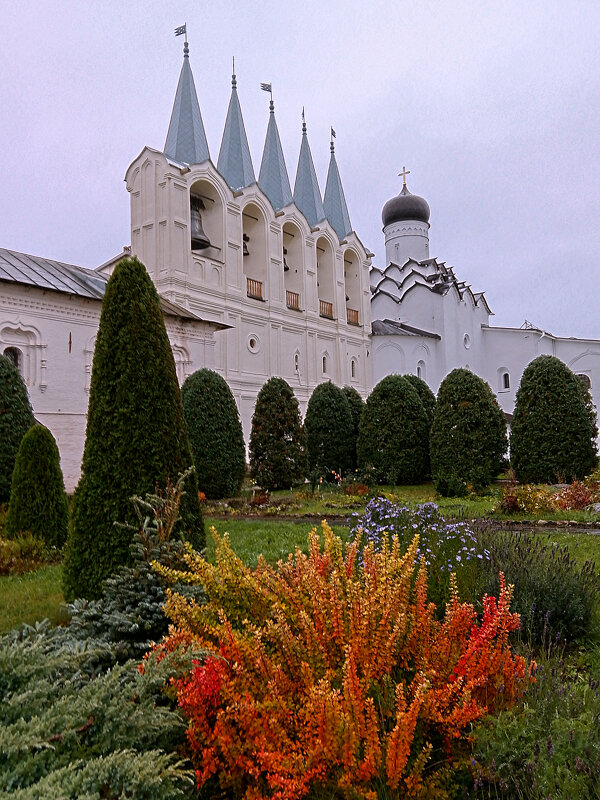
[404,173]
[233,80]
[331,143]
[303,121]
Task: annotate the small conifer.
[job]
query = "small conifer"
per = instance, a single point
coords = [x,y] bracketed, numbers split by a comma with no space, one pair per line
[215,433]
[329,431]
[428,400]
[277,440]
[136,437]
[356,408]
[16,417]
[38,501]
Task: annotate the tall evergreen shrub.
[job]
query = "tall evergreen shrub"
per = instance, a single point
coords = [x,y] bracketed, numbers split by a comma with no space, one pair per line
[38,501]
[16,417]
[428,399]
[277,440]
[356,408]
[553,432]
[136,436]
[392,438]
[215,433]
[329,431]
[468,435]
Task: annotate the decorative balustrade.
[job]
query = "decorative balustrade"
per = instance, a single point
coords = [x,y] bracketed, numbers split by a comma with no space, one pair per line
[352,316]
[325,309]
[292,300]
[254,289]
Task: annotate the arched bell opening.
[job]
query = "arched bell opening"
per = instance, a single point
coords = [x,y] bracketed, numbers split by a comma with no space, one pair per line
[293,271]
[254,249]
[206,220]
[352,287]
[325,279]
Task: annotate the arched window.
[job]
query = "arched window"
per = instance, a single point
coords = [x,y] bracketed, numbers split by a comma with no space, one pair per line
[503,379]
[296,362]
[585,379]
[325,279]
[506,380]
[293,272]
[352,287]
[254,248]
[421,370]
[353,368]
[324,365]
[16,356]
[206,221]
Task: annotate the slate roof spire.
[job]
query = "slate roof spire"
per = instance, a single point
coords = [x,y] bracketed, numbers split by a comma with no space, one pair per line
[273,178]
[307,195]
[186,139]
[235,162]
[334,201]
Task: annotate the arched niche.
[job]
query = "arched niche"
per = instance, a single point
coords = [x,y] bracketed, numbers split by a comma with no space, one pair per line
[503,379]
[325,278]
[421,370]
[22,343]
[352,287]
[206,220]
[254,248]
[293,265]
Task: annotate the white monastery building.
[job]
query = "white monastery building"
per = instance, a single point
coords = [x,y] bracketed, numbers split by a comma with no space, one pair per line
[256,280]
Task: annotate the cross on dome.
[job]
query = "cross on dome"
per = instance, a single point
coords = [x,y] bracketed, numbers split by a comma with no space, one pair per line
[404,173]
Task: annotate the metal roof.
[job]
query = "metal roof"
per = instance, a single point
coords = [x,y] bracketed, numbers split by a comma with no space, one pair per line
[390,327]
[307,195]
[44,273]
[235,162]
[186,140]
[273,178]
[334,202]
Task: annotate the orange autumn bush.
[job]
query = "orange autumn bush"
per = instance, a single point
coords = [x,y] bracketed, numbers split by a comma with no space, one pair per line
[331,670]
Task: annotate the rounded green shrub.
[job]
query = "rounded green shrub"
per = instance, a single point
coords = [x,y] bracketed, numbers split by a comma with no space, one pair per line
[329,431]
[38,501]
[392,437]
[553,431]
[468,434]
[428,399]
[16,417]
[215,433]
[356,408]
[136,438]
[277,440]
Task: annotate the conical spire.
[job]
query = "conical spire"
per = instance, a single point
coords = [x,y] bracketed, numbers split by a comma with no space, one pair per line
[186,139]
[307,195]
[273,178]
[235,162]
[334,202]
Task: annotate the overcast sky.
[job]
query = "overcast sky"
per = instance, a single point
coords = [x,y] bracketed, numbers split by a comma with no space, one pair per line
[493,106]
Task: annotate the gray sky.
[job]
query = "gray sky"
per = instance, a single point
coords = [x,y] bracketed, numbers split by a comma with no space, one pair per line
[492,105]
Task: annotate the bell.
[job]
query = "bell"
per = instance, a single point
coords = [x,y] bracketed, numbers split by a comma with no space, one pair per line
[245,250]
[200,240]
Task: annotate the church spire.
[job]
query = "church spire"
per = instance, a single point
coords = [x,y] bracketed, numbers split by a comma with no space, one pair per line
[235,162]
[334,202]
[186,139]
[307,195]
[273,178]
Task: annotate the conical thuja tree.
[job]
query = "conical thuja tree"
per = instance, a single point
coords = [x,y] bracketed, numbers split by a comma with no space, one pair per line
[356,408]
[277,440]
[136,437]
[428,399]
[16,417]
[215,432]
[38,501]
[329,431]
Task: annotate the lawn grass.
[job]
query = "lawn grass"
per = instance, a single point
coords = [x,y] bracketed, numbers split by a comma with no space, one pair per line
[31,597]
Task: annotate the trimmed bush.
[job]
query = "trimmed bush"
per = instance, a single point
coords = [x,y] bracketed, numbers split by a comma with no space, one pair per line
[136,437]
[553,432]
[428,399]
[277,440]
[356,408]
[16,417]
[468,434]
[392,438]
[215,433]
[329,431]
[38,501]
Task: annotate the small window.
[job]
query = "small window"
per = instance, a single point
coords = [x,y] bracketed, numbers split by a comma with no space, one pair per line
[585,379]
[506,381]
[324,365]
[16,356]
[353,368]
[296,363]
[421,370]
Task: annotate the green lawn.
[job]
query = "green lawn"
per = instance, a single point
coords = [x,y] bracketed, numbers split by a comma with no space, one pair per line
[31,597]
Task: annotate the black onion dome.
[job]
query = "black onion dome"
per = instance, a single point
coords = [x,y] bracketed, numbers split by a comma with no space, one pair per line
[405,206]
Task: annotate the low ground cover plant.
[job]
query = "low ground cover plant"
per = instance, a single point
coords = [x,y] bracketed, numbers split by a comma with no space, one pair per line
[332,671]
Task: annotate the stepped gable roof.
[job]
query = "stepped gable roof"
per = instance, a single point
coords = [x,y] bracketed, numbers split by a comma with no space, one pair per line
[307,195]
[390,327]
[235,162]
[334,201]
[273,178]
[186,139]
[56,276]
